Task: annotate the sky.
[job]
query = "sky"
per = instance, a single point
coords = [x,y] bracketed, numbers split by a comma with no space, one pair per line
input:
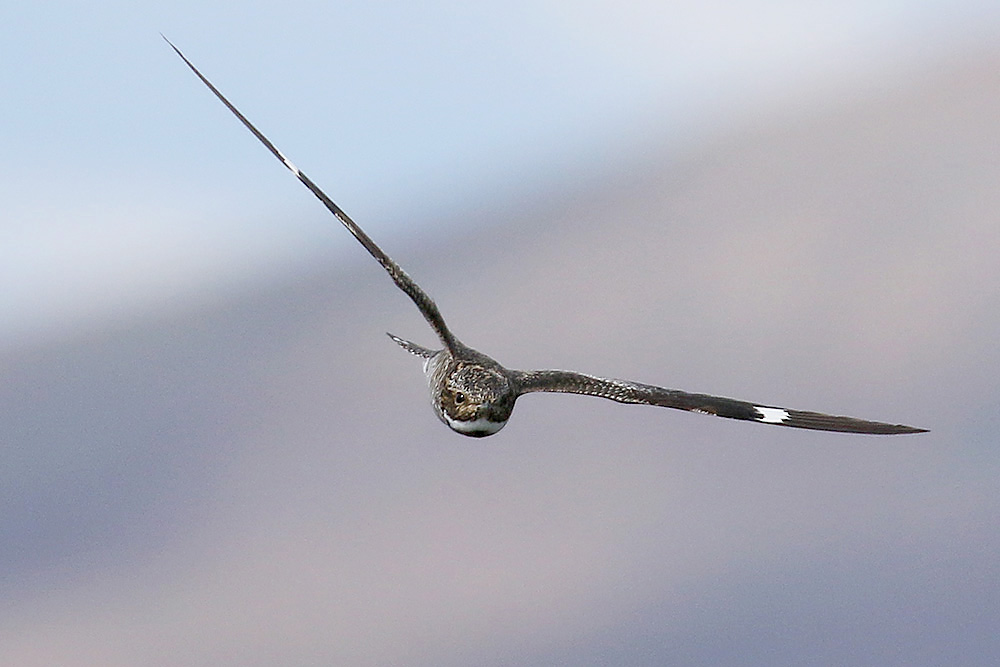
[128,190]
[210,454]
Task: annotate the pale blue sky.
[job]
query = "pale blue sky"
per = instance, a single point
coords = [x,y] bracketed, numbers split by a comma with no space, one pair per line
[253,476]
[126,186]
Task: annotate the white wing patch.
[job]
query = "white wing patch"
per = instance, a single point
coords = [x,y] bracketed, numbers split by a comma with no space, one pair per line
[288,163]
[771,415]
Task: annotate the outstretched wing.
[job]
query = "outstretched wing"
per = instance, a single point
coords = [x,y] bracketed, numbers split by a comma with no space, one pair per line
[403,281]
[625,391]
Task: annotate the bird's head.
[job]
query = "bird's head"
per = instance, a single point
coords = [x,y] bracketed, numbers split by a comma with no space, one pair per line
[471,393]
[474,399]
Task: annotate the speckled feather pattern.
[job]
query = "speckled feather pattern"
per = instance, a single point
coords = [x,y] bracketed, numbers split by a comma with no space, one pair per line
[474,395]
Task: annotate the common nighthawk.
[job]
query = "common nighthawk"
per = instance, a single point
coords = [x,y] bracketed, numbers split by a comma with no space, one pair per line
[474,395]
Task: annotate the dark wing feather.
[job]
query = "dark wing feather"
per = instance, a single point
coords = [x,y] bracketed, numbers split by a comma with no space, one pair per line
[403,281]
[625,391]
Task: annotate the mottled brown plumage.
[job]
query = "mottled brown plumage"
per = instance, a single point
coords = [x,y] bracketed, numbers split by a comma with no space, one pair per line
[474,395]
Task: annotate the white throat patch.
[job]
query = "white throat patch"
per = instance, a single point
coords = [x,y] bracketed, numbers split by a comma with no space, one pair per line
[481,426]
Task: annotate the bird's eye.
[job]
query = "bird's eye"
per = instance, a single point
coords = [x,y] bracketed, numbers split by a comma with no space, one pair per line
[459,397]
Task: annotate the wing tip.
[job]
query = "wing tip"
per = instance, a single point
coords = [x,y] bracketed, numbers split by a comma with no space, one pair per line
[822,422]
[911,429]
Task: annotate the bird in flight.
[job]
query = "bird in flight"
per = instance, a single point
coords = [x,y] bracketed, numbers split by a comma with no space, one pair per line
[474,395]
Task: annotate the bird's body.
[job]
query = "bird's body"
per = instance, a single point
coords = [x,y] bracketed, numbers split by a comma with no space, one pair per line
[474,395]
[470,392]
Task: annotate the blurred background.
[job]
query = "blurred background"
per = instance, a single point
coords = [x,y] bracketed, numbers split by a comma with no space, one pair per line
[211,454]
